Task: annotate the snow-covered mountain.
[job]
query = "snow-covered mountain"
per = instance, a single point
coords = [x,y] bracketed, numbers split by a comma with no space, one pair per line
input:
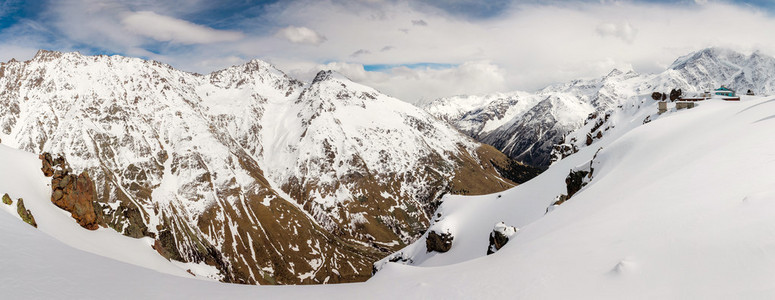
[677,207]
[265,178]
[526,126]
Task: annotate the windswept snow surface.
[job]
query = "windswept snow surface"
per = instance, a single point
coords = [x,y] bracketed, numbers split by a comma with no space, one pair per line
[681,207]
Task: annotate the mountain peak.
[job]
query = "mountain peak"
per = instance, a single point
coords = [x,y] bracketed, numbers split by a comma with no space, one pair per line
[615,72]
[326,75]
[49,55]
[323,75]
[711,53]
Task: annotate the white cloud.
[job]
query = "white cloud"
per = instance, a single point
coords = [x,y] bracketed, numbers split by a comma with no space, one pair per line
[532,44]
[417,85]
[301,35]
[168,29]
[623,31]
[529,45]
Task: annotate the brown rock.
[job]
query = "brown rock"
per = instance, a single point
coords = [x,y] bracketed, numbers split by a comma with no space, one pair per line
[438,242]
[575,181]
[47,162]
[56,196]
[64,182]
[165,245]
[25,213]
[7,199]
[77,195]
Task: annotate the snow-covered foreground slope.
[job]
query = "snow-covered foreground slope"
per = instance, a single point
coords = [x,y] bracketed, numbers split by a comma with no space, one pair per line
[21,178]
[680,207]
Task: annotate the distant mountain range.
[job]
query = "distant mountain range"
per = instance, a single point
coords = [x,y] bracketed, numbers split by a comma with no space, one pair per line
[526,125]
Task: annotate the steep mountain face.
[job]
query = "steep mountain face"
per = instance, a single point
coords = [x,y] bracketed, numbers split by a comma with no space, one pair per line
[525,126]
[268,179]
[713,67]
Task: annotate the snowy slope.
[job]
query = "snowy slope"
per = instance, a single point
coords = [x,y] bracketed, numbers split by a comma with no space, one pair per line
[680,207]
[525,126]
[21,178]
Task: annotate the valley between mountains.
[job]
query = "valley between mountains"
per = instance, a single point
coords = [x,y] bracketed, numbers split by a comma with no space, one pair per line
[246,174]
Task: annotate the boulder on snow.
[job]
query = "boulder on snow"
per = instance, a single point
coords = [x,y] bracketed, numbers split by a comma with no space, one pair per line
[25,213]
[575,181]
[559,200]
[500,235]
[7,199]
[675,94]
[438,242]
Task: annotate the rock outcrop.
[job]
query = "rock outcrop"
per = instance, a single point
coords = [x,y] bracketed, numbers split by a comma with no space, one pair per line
[439,242]
[500,235]
[127,220]
[75,194]
[48,164]
[25,213]
[7,200]
[165,245]
[575,181]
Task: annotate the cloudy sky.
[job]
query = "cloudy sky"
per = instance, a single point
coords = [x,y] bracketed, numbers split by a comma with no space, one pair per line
[413,50]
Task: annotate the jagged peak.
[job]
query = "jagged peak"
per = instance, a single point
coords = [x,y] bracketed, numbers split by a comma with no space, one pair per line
[44,55]
[334,78]
[326,75]
[322,76]
[257,64]
[714,53]
[615,72]
[251,66]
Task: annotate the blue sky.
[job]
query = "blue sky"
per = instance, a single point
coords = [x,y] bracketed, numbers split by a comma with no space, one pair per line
[414,50]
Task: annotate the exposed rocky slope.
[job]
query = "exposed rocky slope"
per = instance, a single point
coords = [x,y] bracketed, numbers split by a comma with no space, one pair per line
[526,126]
[268,179]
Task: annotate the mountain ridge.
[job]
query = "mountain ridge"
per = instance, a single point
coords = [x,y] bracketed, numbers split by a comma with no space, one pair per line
[492,118]
[218,167]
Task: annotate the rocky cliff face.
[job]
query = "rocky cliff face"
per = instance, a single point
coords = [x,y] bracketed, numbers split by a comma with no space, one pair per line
[271,180]
[526,126]
[73,193]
